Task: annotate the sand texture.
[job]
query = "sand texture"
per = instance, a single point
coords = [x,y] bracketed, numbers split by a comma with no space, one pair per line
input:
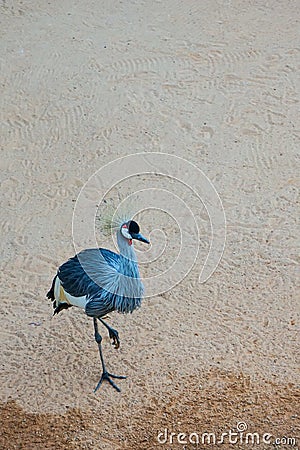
[217,84]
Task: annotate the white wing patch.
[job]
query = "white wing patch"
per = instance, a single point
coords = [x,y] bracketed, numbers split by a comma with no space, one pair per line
[61,296]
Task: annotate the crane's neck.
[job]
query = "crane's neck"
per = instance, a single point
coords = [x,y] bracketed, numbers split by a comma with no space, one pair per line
[128,259]
[130,289]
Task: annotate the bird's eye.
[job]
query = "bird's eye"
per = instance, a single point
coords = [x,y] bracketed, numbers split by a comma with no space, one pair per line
[133,227]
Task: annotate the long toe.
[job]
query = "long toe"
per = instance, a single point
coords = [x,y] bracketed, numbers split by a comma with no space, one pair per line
[121,377]
[107,376]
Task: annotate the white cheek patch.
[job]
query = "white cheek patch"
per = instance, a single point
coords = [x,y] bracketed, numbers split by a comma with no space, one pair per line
[125,232]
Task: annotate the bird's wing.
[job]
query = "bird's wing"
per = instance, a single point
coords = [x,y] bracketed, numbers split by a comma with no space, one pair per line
[113,259]
[89,272]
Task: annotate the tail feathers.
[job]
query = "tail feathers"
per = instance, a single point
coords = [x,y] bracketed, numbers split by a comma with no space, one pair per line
[60,307]
[50,294]
[57,305]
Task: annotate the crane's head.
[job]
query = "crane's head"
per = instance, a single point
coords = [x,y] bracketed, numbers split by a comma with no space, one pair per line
[130,230]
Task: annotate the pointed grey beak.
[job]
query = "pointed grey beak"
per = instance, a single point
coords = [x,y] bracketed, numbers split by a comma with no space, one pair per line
[140,237]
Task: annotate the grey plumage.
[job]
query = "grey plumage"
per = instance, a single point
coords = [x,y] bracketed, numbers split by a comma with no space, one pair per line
[101,281]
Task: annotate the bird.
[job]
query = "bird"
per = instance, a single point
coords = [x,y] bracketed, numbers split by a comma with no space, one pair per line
[101,281]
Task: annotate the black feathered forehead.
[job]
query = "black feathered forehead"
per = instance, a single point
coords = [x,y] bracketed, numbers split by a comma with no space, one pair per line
[133,227]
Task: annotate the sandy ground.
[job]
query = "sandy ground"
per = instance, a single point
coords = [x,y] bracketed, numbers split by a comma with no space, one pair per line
[84,83]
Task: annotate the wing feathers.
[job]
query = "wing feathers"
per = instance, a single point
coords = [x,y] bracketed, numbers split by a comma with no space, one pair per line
[88,272]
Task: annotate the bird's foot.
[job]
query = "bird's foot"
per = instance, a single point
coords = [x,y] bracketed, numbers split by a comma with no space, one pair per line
[114,335]
[107,376]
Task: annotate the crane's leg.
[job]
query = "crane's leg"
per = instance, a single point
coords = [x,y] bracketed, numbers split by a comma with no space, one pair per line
[113,334]
[105,375]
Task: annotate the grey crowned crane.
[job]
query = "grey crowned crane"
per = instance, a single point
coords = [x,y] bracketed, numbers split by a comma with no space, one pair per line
[101,281]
